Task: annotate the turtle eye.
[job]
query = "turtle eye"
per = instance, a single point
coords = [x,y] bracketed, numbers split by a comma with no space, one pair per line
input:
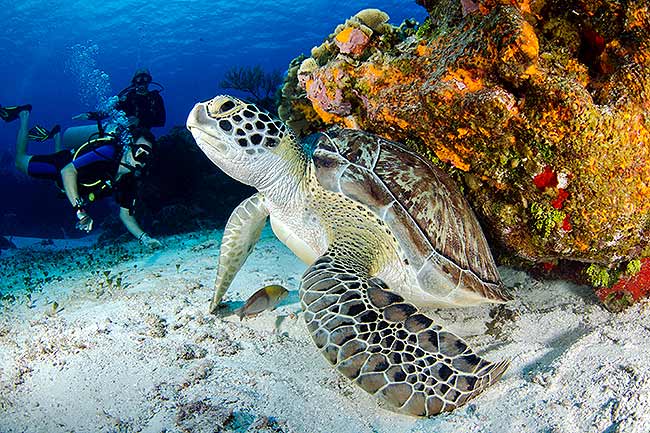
[226,106]
[218,107]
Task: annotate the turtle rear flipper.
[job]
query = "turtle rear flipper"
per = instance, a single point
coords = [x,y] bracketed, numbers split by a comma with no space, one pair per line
[386,346]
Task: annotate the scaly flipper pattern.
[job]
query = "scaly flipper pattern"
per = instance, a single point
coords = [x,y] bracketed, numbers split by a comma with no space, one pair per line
[388,348]
[242,232]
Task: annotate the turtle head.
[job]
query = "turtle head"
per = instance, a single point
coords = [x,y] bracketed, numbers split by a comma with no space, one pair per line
[241,139]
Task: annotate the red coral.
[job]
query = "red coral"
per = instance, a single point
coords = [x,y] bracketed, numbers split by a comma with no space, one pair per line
[566,224]
[637,286]
[549,266]
[562,195]
[547,178]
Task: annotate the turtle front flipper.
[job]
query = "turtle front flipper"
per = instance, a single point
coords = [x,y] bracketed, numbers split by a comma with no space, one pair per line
[242,232]
[386,346]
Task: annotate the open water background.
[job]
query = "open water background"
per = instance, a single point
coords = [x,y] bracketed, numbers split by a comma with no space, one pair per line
[64,56]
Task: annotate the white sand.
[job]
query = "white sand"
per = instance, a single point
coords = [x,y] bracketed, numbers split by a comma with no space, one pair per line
[144,355]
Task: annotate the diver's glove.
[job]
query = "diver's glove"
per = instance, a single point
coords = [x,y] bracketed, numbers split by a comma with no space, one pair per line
[85,221]
[149,242]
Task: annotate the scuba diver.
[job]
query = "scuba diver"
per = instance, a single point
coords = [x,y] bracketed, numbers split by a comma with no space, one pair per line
[143,107]
[105,164]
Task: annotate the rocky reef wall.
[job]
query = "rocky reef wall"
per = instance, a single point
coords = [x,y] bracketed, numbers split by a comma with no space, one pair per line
[540,109]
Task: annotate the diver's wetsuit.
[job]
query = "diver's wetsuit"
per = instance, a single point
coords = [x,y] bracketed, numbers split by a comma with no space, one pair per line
[148,108]
[96,170]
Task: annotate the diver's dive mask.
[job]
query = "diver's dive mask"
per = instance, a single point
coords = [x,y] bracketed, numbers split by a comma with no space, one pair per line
[141,79]
[141,83]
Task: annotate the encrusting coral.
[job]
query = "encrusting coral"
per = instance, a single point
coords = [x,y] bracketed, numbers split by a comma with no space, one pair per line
[540,109]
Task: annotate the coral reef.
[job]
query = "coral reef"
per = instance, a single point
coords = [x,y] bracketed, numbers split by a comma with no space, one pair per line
[540,110]
[620,287]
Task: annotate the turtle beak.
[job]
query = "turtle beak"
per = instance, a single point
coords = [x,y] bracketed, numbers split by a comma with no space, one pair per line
[198,117]
[203,128]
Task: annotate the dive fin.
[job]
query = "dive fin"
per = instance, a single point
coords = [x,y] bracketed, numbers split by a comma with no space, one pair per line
[38,133]
[9,114]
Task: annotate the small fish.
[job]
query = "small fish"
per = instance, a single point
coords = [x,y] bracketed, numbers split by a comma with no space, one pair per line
[266,298]
[56,309]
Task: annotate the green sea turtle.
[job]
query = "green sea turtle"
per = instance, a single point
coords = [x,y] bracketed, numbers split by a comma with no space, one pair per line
[386,235]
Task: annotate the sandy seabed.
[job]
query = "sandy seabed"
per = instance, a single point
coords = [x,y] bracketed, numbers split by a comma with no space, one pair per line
[118,339]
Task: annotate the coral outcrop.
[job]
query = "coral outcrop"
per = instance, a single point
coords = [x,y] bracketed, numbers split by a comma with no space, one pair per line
[540,109]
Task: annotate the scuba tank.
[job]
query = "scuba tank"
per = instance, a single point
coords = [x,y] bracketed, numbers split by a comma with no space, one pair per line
[96,186]
[76,136]
[92,145]
[101,182]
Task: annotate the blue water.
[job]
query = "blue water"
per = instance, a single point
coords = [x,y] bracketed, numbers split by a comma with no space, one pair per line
[187,45]
[67,56]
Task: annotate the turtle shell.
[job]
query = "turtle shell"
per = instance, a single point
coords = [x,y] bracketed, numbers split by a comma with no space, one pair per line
[433,223]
